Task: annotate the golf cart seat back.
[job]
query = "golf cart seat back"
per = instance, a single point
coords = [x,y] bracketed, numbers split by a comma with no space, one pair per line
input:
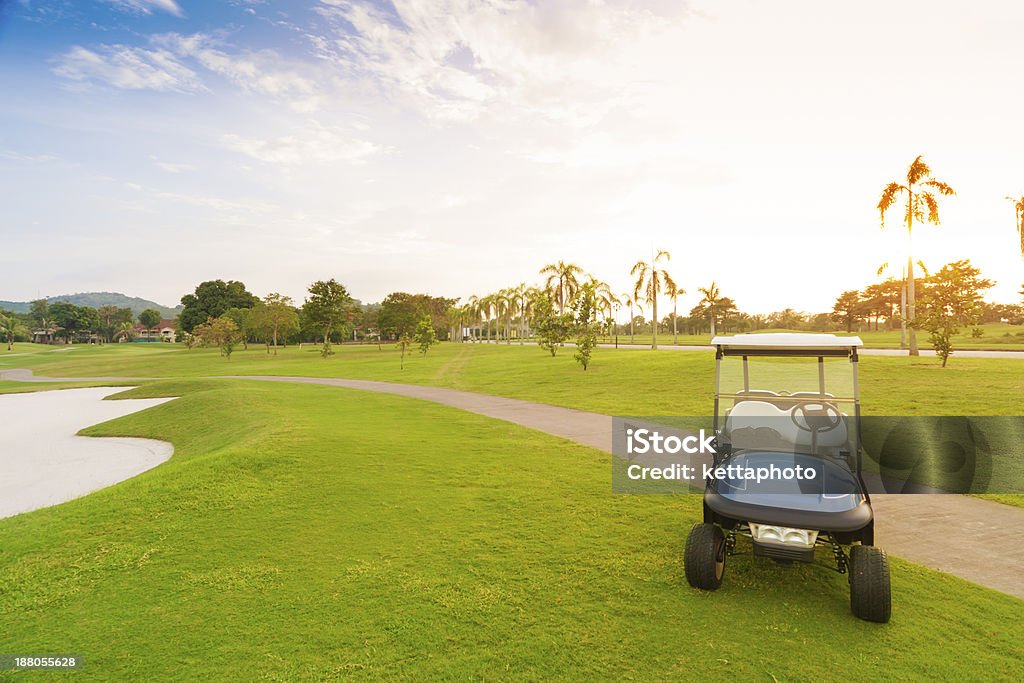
[760,414]
[781,401]
[756,395]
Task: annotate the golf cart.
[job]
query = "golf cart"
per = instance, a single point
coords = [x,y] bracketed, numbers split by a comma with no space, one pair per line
[812,428]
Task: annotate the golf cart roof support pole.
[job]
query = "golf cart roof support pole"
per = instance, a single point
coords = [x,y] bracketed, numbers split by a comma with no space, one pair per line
[718,379]
[856,405]
[821,375]
[746,375]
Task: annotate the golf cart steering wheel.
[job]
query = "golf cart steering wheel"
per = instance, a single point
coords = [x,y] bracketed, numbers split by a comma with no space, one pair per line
[816,416]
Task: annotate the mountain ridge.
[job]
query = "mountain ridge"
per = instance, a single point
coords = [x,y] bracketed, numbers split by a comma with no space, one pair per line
[97,299]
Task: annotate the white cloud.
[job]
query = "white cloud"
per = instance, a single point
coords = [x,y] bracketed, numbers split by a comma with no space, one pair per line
[258,72]
[127,68]
[314,143]
[178,62]
[175,168]
[28,158]
[561,61]
[147,6]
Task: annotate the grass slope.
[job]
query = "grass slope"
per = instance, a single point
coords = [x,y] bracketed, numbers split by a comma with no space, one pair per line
[313,533]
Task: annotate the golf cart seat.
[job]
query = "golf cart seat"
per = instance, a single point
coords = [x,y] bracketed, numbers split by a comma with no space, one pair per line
[750,419]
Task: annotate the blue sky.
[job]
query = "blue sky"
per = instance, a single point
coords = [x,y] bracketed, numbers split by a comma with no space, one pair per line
[456,146]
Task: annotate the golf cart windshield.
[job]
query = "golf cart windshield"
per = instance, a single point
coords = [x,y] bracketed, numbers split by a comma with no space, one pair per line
[793,393]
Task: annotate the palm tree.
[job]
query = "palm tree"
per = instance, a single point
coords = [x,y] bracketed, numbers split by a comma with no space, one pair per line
[562,281]
[506,308]
[712,298]
[487,305]
[522,297]
[473,312]
[126,331]
[11,327]
[455,316]
[603,293]
[674,291]
[921,191]
[611,303]
[1018,209]
[627,299]
[650,281]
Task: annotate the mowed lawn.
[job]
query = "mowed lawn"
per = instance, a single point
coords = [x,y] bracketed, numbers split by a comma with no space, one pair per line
[993,336]
[619,382]
[316,533]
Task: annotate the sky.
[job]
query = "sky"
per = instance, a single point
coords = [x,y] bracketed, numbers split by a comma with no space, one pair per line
[456,146]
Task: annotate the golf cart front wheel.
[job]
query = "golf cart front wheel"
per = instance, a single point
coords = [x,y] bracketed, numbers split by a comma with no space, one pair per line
[870,597]
[705,556]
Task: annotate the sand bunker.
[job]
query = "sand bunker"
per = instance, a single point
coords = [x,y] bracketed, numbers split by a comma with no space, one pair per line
[43,463]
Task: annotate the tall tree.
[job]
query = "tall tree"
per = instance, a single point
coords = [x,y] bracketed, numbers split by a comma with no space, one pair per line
[848,309]
[272,316]
[605,300]
[711,301]
[553,328]
[40,312]
[221,332]
[562,281]
[11,327]
[473,310]
[485,305]
[674,291]
[585,306]
[211,299]
[425,336]
[921,192]
[126,331]
[1018,214]
[107,314]
[629,300]
[952,299]
[327,306]
[650,283]
[150,318]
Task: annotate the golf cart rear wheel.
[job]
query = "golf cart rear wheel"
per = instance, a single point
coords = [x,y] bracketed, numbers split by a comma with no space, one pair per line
[705,556]
[870,597]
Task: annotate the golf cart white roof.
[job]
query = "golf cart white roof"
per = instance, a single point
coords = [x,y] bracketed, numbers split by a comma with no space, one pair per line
[787,341]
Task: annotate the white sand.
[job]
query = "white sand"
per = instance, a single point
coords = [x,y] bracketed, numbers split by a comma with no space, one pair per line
[43,463]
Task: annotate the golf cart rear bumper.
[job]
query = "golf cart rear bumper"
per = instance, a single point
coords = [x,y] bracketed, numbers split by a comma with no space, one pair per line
[728,511]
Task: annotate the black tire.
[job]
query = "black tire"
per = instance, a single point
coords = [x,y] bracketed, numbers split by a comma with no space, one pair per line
[705,556]
[870,596]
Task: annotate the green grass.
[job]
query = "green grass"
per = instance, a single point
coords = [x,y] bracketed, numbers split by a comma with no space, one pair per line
[623,382]
[1014,499]
[314,533]
[995,336]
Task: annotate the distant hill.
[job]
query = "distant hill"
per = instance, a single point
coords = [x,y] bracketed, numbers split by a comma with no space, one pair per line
[97,299]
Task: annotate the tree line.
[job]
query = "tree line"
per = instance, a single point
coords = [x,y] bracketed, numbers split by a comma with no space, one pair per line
[62,320]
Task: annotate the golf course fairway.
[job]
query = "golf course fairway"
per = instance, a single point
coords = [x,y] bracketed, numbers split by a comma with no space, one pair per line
[316,533]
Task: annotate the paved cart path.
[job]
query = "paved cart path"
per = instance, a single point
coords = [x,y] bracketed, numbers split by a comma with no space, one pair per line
[975,539]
